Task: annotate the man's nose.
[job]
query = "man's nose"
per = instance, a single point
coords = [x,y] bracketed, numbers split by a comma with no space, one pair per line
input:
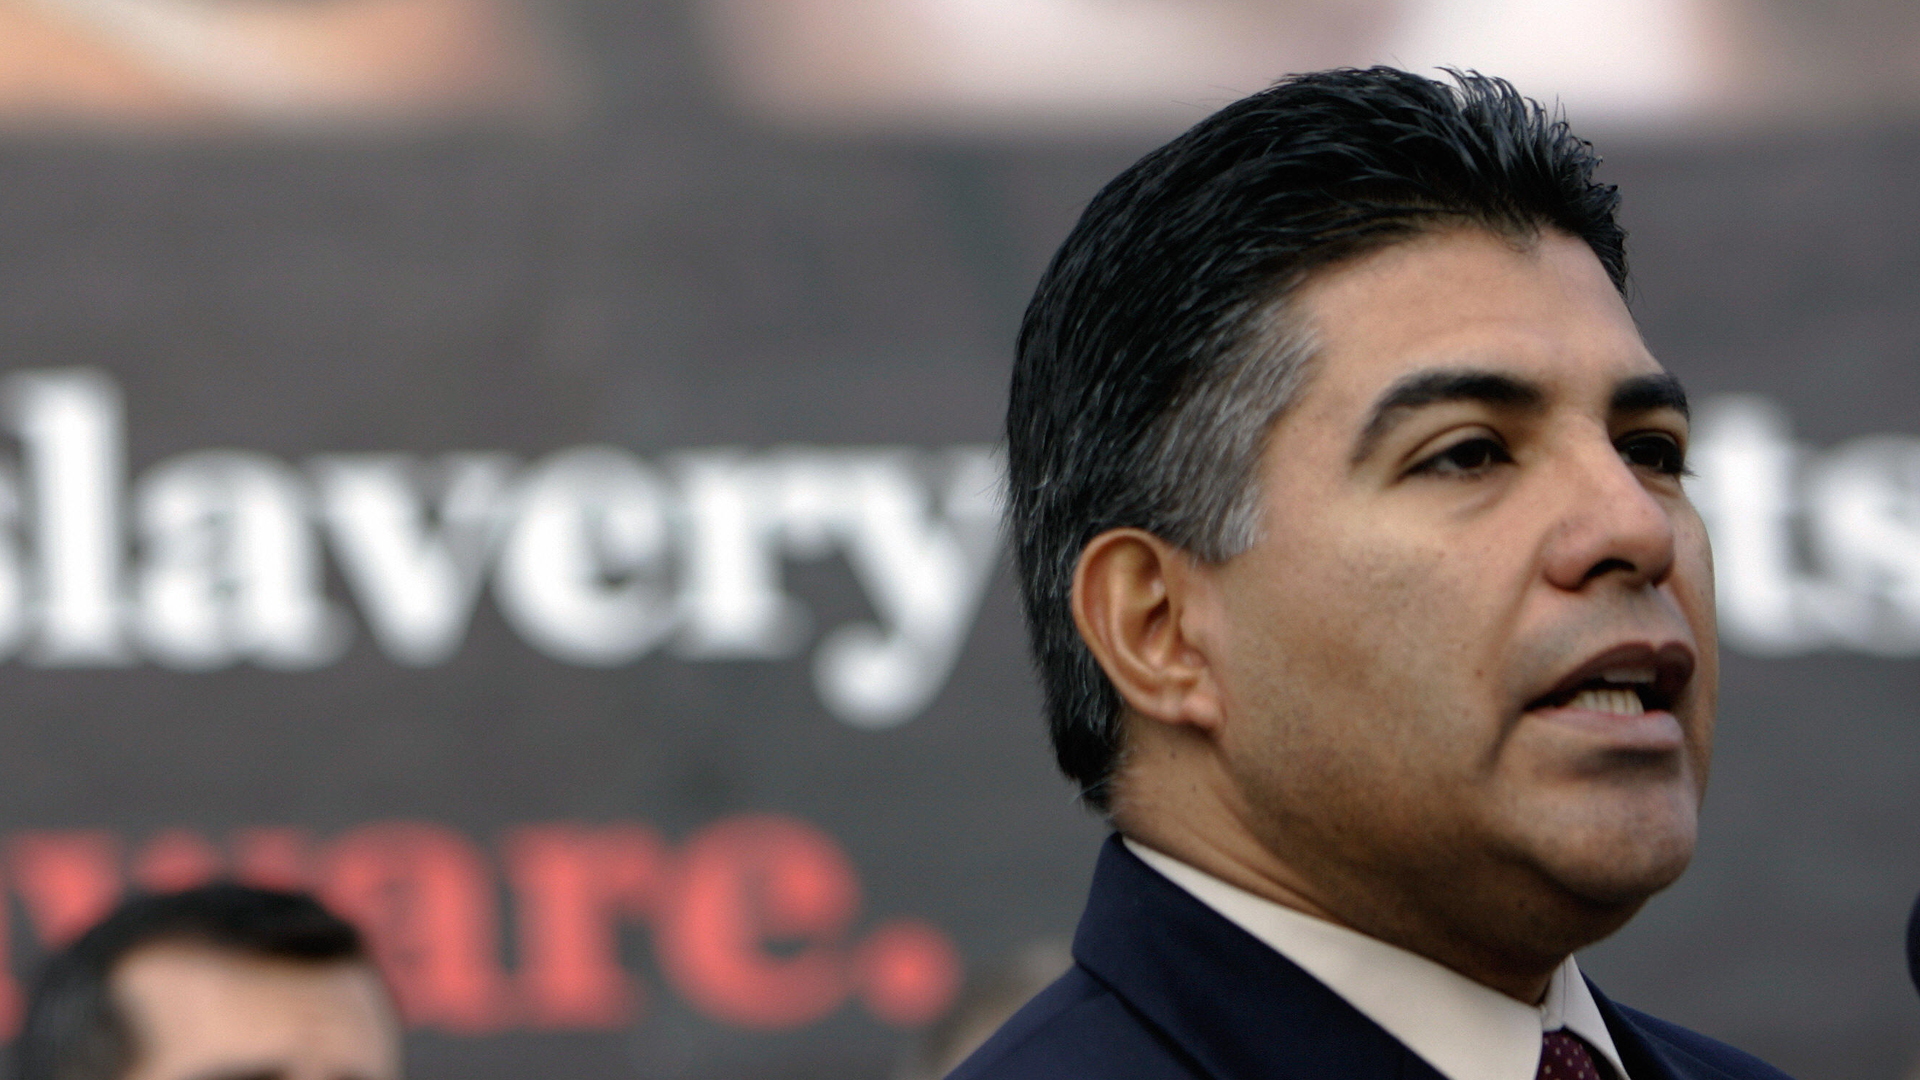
[1610,525]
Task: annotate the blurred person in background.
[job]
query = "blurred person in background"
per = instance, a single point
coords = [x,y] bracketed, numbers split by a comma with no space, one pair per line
[1366,596]
[221,982]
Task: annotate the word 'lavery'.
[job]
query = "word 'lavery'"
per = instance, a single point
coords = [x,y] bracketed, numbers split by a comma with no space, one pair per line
[594,556]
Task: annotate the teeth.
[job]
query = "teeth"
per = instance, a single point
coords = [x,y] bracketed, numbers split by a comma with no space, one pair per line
[1619,702]
[1628,675]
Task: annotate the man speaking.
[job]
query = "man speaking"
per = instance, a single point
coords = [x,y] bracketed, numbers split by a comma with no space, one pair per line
[1367,598]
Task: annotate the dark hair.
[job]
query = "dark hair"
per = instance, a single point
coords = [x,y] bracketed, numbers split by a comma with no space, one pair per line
[74,1030]
[1159,349]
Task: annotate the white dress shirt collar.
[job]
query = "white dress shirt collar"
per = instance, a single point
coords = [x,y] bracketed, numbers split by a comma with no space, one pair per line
[1464,1030]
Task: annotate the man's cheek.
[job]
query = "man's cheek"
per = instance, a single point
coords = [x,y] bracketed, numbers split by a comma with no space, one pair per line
[1693,559]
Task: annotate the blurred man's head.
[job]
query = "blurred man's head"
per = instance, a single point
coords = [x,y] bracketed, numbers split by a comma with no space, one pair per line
[222,982]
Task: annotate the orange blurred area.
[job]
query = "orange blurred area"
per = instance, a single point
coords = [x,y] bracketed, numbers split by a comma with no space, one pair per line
[194,63]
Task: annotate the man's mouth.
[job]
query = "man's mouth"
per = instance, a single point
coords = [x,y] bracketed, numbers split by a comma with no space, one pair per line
[1609,699]
[1629,680]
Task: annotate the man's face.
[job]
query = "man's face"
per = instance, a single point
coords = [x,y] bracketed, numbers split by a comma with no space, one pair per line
[1470,667]
[201,1013]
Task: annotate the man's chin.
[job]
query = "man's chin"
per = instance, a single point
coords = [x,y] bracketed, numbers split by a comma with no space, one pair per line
[1618,869]
[1577,893]
[1612,850]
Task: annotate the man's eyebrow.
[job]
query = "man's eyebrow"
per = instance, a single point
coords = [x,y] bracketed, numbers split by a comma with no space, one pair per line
[1646,393]
[1435,386]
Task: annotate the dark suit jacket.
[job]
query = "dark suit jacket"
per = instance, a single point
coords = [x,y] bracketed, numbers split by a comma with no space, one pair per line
[1163,986]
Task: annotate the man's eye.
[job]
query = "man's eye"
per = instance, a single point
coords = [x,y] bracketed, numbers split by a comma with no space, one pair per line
[1463,458]
[1661,453]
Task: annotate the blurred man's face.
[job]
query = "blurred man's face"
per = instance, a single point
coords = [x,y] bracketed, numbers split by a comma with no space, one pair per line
[201,1013]
[1470,664]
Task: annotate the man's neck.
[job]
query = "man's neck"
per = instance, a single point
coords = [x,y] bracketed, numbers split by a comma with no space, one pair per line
[1206,835]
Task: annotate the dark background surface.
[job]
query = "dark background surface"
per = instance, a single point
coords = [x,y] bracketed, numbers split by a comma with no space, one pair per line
[666,276]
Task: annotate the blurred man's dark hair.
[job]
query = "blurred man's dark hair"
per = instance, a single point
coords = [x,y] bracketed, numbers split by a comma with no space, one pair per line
[75,1029]
[1159,348]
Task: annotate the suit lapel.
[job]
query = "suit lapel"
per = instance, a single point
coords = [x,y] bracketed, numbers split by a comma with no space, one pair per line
[1644,1053]
[1235,1007]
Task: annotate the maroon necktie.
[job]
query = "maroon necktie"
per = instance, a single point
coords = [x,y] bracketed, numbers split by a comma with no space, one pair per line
[1564,1056]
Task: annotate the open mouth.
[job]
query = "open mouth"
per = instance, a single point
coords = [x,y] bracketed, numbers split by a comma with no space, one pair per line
[1628,692]
[1627,681]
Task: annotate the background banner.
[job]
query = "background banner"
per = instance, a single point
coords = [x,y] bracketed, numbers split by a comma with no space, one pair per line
[535,484]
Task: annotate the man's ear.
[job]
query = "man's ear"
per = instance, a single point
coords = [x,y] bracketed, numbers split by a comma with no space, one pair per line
[1138,601]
